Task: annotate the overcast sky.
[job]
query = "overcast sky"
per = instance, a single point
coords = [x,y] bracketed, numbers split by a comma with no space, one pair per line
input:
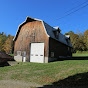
[69,15]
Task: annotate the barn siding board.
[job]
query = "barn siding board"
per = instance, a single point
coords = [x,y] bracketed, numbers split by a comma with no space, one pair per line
[58,48]
[29,33]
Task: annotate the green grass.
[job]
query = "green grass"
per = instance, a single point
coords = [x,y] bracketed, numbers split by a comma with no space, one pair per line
[46,73]
[11,54]
[79,54]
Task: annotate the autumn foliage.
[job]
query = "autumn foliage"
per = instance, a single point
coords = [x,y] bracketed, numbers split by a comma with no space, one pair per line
[79,41]
[6,43]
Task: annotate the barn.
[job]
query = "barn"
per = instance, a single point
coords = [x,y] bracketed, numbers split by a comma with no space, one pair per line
[36,41]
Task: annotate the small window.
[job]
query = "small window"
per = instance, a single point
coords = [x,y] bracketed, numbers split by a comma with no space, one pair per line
[31,54]
[52,54]
[41,55]
[71,50]
[18,53]
[24,54]
[68,48]
[67,41]
[36,54]
[57,34]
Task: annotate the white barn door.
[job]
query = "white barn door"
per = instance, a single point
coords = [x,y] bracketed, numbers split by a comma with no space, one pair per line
[37,52]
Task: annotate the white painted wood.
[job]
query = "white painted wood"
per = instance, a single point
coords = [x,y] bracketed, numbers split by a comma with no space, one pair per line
[24,59]
[18,58]
[37,52]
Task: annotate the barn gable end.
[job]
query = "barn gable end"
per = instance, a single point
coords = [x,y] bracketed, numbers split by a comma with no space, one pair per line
[30,32]
[28,19]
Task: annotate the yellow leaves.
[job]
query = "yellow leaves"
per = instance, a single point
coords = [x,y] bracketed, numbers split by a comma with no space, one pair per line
[8,45]
[86,32]
[1,44]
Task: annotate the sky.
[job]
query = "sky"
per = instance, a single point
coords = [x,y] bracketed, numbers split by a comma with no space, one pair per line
[69,15]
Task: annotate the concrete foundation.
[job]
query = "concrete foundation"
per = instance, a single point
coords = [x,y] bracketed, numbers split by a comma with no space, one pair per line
[18,58]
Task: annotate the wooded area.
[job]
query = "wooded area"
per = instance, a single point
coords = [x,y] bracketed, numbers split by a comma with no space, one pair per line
[79,40]
[6,43]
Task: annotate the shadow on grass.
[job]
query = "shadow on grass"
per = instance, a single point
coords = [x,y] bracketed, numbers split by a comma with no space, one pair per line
[4,64]
[70,58]
[75,81]
[73,58]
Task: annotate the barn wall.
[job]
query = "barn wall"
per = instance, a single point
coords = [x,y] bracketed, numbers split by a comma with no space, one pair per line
[29,33]
[58,48]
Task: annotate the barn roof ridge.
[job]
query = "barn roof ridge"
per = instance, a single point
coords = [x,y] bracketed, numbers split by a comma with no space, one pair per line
[33,18]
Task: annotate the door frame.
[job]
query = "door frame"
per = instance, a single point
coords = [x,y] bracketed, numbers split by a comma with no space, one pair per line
[44,51]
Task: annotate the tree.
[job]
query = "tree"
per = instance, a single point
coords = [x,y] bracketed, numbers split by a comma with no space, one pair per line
[77,41]
[79,33]
[80,45]
[8,45]
[66,34]
[3,38]
[86,38]
[73,38]
[1,44]
[86,33]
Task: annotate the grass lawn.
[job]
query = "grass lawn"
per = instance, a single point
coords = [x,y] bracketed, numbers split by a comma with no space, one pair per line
[80,54]
[11,54]
[68,72]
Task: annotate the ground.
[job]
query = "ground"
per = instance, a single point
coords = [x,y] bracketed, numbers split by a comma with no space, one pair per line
[17,84]
[59,74]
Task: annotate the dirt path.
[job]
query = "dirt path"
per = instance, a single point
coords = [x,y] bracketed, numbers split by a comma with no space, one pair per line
[21,84]
[17,84]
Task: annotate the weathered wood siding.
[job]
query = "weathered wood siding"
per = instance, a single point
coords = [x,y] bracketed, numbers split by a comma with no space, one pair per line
[31,32]
[58,48]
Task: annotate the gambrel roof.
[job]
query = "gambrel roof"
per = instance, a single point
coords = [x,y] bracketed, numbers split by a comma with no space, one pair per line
[48,29]
[61,38]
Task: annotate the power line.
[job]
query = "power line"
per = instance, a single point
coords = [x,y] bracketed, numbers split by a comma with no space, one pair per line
[72,12]
[76,6]
[76,1]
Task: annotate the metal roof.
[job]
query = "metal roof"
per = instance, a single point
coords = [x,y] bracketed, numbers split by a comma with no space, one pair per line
[61,38]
